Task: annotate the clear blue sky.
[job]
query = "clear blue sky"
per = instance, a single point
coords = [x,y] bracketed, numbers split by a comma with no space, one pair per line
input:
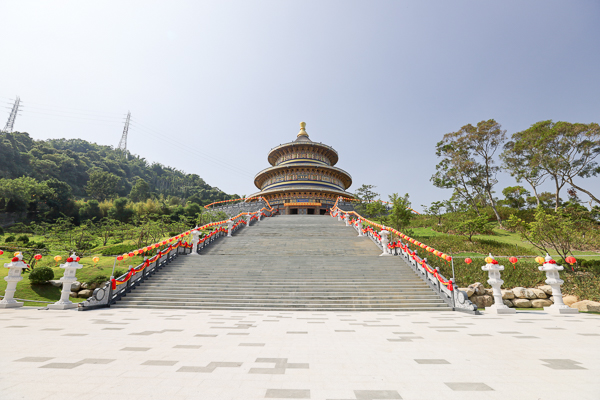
[212,86]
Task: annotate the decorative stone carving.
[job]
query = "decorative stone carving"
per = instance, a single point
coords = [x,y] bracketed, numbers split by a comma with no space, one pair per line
[14,276]
[384,242]
[70,267]
[493,269]
[553,279]
[360,228]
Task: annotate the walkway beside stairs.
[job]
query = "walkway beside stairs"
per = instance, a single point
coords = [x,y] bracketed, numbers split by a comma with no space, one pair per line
[295,262]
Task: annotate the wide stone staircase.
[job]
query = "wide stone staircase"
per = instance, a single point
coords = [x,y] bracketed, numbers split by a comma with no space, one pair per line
[295,262]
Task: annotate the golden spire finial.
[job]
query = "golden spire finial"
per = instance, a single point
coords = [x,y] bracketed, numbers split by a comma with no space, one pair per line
[302,130]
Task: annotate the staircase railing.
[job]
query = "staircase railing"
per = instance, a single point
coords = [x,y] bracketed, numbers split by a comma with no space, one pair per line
[118,287]
[445,288]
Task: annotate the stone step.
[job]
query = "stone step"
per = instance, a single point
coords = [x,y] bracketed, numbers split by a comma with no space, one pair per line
[295,296]
[276,308]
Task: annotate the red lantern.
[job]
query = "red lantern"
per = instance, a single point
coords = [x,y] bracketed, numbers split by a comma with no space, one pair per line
[131,254]
[1,252]
[468,260]
[38,257]
[77,259]
[15,259]
[571,260]
[70,259]
[119,258]
[448,258]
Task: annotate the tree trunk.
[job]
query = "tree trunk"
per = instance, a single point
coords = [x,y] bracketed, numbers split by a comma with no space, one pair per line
[556,198]
[493,204]
[535,193]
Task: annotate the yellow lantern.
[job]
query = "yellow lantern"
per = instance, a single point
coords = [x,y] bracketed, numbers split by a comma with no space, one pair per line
[16,253]
[540,260]
[136,252]
[125,256]
[96,259]
[488,260]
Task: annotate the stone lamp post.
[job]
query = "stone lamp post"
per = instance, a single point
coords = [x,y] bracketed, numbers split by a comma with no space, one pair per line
[553,279]
[14,276]
[384,242]
[339,215]
[248,218]
[347,219]
[493,269]
[229,227]
[360,228]
[70,267]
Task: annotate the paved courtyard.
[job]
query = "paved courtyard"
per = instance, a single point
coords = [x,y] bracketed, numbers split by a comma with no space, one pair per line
[191,354]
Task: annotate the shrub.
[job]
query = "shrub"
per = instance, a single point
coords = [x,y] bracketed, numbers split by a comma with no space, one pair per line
[98,280]
[118,249]
[41,275]
[119,272]
[173,234]
[1,231]
[10,239]
[23,239]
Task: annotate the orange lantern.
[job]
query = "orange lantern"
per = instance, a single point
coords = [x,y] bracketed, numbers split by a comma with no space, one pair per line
[96,259]
[423,246]
[125,256]
[136,252]
[16,253]
[540,260]
[58,258]
[437,253]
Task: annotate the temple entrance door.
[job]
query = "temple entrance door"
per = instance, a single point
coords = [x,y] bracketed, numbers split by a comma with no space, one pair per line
[323,211]
[310,211]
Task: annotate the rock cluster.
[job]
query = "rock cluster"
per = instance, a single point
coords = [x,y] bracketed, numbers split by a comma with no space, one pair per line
[521,297]
[78,289]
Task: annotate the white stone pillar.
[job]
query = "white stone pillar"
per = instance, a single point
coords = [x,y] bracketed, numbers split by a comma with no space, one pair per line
[360,228]
[229,227]
[195,240]
[258,215]
[553,279]
[248,217]
[70,267]
[339,214]
[493,270]
[384,242]
[347,219]
[14,276]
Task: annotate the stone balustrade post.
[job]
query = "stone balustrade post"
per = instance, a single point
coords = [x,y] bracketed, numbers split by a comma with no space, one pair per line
[195,240]
[493,269]
[258,215]
[347,219]
[248,217]
[384,242]
[15,269]
[70,267]
[360,228]
[553,279]
[229,227]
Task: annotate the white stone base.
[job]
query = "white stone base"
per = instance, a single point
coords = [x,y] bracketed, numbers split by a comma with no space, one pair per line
[558,311]
[193,254]
[385,254]
[499,310]
[16,304]
[62,306]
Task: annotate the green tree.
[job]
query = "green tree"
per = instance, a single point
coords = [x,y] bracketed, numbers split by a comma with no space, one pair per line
[561,150]
[102,185]
[90,210]
[19,193]
[471,227]
[436,209]
[120,211]
[468,164]
[140,191]
[366,195]
[401,213]
[516,196]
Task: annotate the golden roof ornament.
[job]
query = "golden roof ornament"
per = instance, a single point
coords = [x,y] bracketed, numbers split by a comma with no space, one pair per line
[302,130]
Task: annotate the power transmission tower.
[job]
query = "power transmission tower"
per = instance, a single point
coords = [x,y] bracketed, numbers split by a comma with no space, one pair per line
[123,141]
[13,115]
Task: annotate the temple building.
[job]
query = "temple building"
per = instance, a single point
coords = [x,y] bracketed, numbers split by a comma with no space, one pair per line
[302,178]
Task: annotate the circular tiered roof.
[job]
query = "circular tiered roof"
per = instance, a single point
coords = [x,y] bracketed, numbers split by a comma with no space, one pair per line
[303,166]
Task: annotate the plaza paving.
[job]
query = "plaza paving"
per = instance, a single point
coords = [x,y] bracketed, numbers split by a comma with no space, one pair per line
[222,354]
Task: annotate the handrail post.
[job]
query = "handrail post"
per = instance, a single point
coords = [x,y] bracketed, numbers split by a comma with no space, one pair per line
[384,242]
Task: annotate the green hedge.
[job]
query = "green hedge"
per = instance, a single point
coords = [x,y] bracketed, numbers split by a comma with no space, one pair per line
[118,249]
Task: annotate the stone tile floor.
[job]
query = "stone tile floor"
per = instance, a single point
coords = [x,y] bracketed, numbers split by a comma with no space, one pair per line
[162,354]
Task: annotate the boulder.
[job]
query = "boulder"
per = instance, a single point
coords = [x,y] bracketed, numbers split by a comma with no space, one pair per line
[522,303]
[547,289]
[522,293]
[55,283]
[541,303]
[539,293]
[469,291]
[73,295]
[489,292]
[586,305]
[85,293]
[482,301]
[477,300]
[478,288]
[507,294]
[84,285]
[508,303]
[75,286]
[568,300]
